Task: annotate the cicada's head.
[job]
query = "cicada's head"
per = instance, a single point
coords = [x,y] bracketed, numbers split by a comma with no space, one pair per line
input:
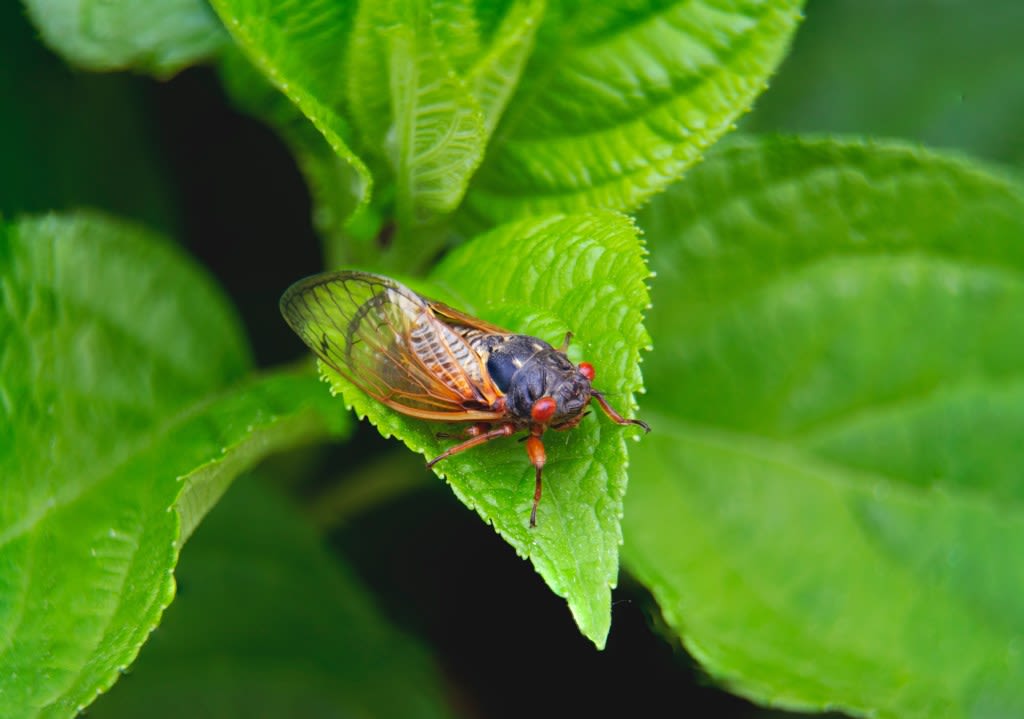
[549,390]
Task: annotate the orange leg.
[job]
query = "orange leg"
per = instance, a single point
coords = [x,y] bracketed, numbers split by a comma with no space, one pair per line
[538,457]
[615,416]
[502,430]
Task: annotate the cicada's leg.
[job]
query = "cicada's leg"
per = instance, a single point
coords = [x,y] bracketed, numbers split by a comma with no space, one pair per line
[538,458]
[502,430]
[615,416]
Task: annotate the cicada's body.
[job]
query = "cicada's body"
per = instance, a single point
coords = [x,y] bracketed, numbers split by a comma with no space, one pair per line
[424,359]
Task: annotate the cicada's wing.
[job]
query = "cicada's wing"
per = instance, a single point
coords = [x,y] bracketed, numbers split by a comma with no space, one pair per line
[454,317]
[385,339]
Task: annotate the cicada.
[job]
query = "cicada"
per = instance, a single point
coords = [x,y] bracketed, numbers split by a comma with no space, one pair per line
[425,359]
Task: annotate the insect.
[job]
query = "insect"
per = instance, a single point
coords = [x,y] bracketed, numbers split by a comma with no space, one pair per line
[427,360]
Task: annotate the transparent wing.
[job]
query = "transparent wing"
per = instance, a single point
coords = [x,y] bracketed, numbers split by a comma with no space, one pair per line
[385,339]
[452,316]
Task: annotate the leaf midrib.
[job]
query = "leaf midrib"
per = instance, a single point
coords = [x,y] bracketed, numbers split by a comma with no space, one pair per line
[775,281]
[824,427]
[145,443]
[717,205]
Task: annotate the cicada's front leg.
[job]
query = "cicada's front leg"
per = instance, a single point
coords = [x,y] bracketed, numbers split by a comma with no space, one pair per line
[538,458]
[615,416]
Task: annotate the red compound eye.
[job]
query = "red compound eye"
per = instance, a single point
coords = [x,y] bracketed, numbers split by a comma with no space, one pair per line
[543,409]
[587,370]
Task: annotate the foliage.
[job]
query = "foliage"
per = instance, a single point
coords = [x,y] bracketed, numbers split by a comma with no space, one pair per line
[837,389]
[826,512]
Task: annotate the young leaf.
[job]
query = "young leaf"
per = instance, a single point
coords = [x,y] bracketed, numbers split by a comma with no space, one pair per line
[112,413]
[381,67]
[238,643]
[545,277]
[437,137]
[160,37]
[617,101]
[426,93]
[830,512]
[494,74]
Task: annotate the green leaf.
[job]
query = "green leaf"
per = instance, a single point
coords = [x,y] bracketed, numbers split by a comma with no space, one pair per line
[494,74]
[828,511]
[488,45]
[854,69]
[545,277]
[160,37]
[619,99]
[236,643]
[252,419]
[112,413]
[437,136]
[367,83]
[422,66]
